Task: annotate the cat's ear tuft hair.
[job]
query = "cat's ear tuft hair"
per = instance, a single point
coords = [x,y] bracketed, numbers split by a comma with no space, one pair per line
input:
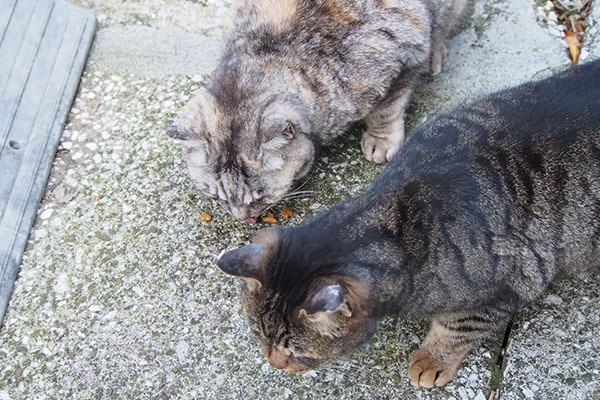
[276,133]
[288,130]
[244,263]
[281,122]
[197,117]
[175,132]
[327,309]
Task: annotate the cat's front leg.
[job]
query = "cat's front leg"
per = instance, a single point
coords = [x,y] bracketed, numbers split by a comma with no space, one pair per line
[385,128]
[449,340]
[438,58]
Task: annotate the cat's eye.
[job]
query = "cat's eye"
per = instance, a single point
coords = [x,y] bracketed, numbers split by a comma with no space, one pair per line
[223,204]
[208,194]
[295,349]
[255,332]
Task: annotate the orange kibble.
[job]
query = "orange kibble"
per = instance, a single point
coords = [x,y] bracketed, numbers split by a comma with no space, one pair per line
[96,197]
[574,46]
[271,218]
[205,217]
[287,213]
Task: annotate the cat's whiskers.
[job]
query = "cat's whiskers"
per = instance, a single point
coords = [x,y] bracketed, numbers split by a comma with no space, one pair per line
[307,179]
[299,194]
[340,366]
[289,196]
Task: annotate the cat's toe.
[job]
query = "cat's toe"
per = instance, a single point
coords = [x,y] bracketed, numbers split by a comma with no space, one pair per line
[378,149]
[427,372]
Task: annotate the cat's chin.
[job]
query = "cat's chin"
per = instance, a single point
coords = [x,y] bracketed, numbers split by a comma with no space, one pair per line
[242,217]
[297,371]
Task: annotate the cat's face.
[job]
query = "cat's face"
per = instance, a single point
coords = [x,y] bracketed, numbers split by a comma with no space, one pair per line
[246,154]
[302,324]
[300,338]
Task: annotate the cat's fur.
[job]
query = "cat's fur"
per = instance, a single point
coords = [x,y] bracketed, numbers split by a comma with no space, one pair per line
[294,75]
[482,209]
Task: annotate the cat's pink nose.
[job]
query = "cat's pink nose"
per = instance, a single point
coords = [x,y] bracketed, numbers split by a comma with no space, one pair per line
[266,349]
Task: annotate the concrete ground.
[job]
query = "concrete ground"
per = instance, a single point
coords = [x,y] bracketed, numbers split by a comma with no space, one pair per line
[118,295]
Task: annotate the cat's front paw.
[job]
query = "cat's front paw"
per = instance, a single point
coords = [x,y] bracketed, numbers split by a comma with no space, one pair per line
[380,149]
[427,372]
[438,59]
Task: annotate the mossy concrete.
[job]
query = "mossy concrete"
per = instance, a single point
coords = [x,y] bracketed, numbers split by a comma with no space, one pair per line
[118,295]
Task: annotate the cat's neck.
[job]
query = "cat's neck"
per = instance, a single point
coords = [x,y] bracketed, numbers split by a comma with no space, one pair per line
[383,236]
[349,240]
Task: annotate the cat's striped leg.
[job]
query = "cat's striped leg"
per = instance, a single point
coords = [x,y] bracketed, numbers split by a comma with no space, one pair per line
[385,128]
[449,340]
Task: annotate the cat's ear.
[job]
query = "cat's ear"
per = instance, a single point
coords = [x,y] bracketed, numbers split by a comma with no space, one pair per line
[276,133]
[327,308]
[330,298]
[245,263]
[197,118]
[281,122]
[277,127]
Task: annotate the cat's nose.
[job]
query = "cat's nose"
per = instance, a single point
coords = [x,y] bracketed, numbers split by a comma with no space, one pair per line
[266,349]
[238,213]
[277,359]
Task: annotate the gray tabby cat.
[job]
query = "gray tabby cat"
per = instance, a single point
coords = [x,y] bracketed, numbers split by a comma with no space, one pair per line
[294,75]
[481,210]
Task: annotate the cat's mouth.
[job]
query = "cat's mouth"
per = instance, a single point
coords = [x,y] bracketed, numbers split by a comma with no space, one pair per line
[242,214]
[285,362]
[250,220]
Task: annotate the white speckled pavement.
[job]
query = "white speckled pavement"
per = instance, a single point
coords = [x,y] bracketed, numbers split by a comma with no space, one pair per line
[118,295]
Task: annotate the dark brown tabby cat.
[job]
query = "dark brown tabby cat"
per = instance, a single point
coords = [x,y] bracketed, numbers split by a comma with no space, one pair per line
[471,221]
[294,75]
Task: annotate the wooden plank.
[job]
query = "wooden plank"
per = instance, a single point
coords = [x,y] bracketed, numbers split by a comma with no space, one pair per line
[44,47]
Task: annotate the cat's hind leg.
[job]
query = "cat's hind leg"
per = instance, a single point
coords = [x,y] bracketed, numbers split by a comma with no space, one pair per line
[385,128]
[449,340]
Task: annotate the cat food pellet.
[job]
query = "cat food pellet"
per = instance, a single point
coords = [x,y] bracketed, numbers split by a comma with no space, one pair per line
[287,213]
[271,218]
[205,217]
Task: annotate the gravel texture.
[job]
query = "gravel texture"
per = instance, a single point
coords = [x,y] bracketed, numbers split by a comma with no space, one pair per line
[554,348]
[118,295]
[591,42]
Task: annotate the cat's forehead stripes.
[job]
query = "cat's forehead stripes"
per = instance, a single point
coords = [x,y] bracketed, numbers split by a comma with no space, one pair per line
[272,326]
[224,87]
